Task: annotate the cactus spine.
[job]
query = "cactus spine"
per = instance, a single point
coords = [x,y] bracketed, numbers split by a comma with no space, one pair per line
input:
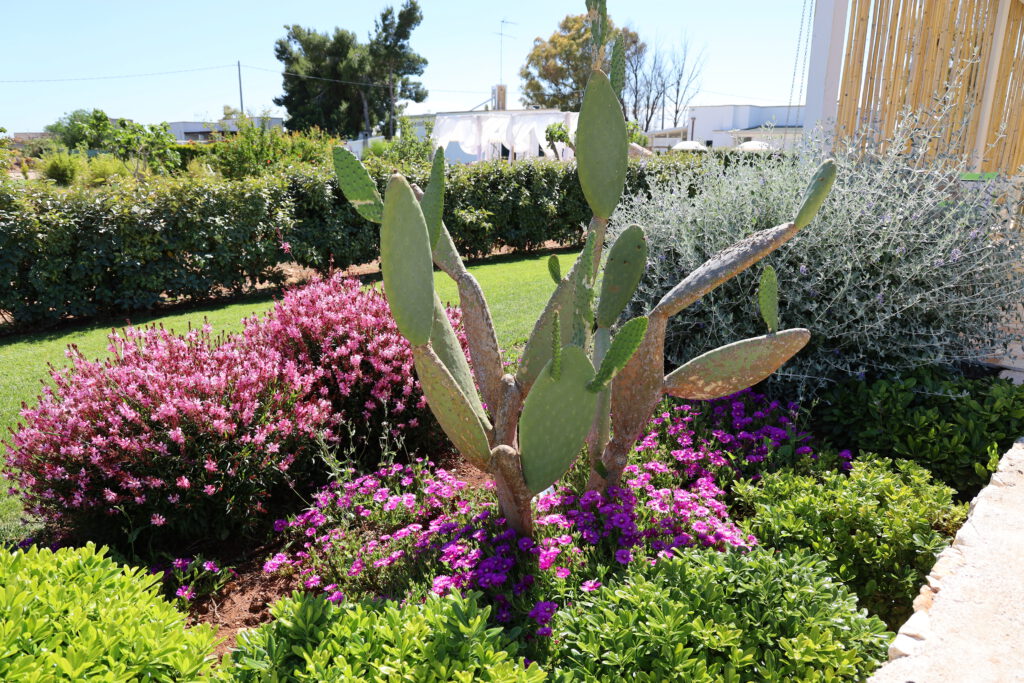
[577,382]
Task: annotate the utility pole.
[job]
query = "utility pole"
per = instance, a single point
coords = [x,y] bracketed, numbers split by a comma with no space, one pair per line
[241,102]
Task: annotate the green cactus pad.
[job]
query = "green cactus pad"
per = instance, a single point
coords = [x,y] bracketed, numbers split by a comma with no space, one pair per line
[735,366]
[447,347]
[627,260]
[724,266]
[450,406]
[537,352]
[623,346]
[432,203]
[768,298]
[617,74]
[816,193]
[357,185]
[601,146]
[405,262]
[554,269]
[556,417]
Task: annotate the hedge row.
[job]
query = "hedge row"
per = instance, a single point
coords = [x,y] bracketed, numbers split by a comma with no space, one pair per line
[121,248]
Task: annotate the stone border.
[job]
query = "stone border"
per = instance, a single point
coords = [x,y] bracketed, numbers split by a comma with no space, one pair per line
[911,636]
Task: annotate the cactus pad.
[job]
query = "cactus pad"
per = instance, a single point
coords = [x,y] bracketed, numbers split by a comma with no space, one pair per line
[623,346]
[768,298]
[450,406]
[735,366]
[601,146]
[357,185]
[556,417]
[406,263]
[554,269]
[432,203]
[446,345]
[627,260]
[816,193]
[617,71]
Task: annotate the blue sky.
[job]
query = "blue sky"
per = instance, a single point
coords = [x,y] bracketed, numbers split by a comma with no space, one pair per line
[749,48]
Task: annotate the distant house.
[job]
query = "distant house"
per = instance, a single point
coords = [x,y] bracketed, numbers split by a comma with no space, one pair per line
[730,125]
[469,136]
[203,131]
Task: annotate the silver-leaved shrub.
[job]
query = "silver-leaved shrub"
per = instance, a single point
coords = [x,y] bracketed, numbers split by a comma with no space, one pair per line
[906,264]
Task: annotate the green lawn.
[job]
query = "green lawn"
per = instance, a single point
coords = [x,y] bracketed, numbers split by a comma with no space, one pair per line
[516,290]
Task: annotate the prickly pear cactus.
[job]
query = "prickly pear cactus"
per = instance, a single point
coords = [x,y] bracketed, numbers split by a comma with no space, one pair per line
[580,381]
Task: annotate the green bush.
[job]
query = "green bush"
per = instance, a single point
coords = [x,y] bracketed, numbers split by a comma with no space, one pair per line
[443,639]
[104,168]
[75,614]
[706,616]
[905,266]
[954,426]
[82,252]
[63,167]
[879,528]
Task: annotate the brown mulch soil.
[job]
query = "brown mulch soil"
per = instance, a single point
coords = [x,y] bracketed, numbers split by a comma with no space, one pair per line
[243,603]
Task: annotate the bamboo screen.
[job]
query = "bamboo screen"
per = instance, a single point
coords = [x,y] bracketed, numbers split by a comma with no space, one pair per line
[910,54]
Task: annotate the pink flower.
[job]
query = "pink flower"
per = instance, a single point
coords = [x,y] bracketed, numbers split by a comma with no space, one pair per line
[591,585]
[183,482]
[157,520]
[562,572]
[185,593]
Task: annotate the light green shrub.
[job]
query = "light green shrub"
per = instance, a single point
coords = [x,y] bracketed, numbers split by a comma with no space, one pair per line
[905,265]
[879,528]
[706,616]
[75,614]
[443,639]
[63,167]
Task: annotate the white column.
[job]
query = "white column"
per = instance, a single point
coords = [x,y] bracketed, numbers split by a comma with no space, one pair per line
[827,44]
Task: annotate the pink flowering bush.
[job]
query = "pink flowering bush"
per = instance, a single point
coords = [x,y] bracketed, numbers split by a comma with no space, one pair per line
[193,437]
[344,341]
[174,433]
[409,530]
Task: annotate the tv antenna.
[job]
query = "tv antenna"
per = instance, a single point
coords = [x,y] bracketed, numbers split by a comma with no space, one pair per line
[501,48]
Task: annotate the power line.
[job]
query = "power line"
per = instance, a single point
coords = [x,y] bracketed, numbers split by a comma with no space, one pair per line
[107,78]
[346,82]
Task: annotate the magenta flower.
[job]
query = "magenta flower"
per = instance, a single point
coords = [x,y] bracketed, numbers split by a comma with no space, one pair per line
[185,593]
[591,585]
[157,520]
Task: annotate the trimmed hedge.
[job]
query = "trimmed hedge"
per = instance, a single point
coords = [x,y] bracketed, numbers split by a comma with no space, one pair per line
[125,247]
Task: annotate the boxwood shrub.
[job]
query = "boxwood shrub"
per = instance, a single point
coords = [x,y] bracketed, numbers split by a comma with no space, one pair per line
[75,614]
[706,616]
[878,528]
[443,639]
[955,426]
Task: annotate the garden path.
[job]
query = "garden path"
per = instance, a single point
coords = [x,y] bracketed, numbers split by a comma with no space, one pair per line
[970,623]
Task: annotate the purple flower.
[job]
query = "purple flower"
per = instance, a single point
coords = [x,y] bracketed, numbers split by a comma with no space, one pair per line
[623,556]
[182,563]
[185,593]
[543,611]
[211,566]
[544,631]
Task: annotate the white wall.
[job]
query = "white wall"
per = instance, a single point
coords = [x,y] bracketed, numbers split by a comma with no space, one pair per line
[714,122]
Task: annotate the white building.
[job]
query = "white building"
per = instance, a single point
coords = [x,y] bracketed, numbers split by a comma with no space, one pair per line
[202,131]
[728,125]
[469,136]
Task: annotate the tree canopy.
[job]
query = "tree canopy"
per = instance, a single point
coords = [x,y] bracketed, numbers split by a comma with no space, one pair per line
[557,69]
[335,82]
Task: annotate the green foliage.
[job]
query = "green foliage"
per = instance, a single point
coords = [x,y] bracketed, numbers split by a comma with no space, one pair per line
[879,528]
[63,167]
[257,148]
[74,614]
[953,426]
[904,266]
[105,168]
[706,616]
[407,147]
[635,134]
[353,100]
[82,129]
[442,639]
[122,248]
[557,69]
[153,146]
